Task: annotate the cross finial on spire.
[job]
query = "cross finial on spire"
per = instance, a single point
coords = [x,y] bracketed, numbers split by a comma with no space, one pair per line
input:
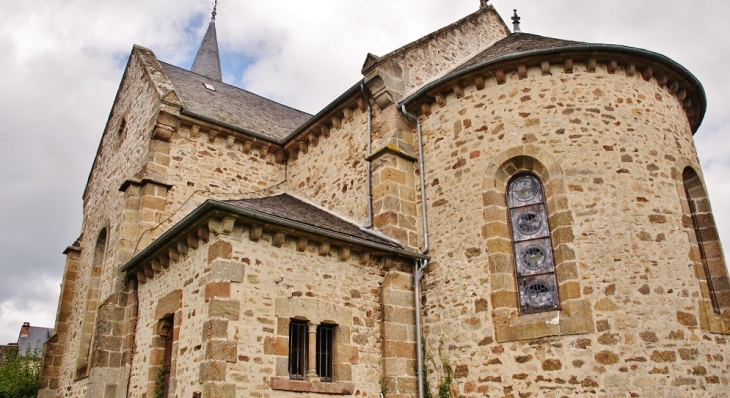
[215,6]
[516,22]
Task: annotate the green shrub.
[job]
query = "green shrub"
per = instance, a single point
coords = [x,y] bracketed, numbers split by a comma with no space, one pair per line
[19,374]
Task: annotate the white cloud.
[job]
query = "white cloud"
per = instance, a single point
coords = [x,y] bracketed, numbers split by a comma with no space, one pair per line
[61,63]
[35,306]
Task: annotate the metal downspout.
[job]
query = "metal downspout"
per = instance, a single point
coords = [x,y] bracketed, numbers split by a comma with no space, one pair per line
[417,275]
[368,163]
[424,216]
[419,268]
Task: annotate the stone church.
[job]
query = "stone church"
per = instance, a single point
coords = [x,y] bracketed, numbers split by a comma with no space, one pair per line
[486,213]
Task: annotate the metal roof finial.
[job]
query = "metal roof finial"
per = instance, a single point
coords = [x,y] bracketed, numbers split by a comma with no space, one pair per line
[215,6]
[516,22]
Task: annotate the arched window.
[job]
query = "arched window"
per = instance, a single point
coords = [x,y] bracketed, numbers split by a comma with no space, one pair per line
[707,241]
[88,321]
[534,266]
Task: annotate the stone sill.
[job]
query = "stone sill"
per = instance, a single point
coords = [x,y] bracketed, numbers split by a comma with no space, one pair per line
[335,388]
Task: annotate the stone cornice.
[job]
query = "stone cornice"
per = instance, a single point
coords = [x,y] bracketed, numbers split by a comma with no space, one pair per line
[633,61]
[76,247]
[144,179]
[331,118]
[234,134]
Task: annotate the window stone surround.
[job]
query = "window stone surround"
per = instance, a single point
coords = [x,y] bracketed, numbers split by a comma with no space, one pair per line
[575,314]
[687,177]
[315,312]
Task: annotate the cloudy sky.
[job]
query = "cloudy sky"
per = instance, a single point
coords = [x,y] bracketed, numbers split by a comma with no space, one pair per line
[61,62]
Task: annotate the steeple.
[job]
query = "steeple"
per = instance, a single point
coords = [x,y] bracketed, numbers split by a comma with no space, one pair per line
[207,62]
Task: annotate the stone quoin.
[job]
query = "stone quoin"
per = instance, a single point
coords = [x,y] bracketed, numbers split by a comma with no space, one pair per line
[531,210]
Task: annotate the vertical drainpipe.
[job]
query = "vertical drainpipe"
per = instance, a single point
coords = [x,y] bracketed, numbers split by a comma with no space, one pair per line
[419,268]
[368,163]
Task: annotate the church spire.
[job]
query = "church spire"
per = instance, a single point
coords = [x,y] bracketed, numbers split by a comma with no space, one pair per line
[207,62]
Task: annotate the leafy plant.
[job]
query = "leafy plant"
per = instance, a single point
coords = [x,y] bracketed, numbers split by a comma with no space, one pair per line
[427,357]
[445,382]
[160,383]
[444,370]
[19,374]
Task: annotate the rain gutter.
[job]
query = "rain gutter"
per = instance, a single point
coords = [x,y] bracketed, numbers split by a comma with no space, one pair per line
[327,109]
[186,112]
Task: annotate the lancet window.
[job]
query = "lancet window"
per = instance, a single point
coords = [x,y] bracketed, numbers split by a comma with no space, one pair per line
[534,266]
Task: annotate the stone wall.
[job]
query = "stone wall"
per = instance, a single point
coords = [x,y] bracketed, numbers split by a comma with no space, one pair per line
[121,153]
[332,172]
[233,293]
[164,169]
[402,71]
[608,147]
[178,291]
[310,281]
[208,163]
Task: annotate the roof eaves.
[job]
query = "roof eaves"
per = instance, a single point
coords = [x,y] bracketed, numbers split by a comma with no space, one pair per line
[210,120]
[569,48]
[214,205]
[324,112]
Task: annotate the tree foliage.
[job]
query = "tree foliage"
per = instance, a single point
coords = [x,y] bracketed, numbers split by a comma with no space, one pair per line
[19,374]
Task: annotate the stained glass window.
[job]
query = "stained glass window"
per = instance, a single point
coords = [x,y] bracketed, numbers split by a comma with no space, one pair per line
[534,267]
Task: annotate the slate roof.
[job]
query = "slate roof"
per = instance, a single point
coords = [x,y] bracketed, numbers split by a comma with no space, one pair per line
[34,341]
[293,209]
[515,43]
[207,62]
[233,106]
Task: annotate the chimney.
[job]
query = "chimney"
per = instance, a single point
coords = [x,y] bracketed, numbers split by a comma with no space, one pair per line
[25,329]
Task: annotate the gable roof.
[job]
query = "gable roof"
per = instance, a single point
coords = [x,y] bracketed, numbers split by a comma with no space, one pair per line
[233,106]
[32,344]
